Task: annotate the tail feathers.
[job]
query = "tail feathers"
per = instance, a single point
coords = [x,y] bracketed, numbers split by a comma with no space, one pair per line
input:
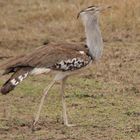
[14,80]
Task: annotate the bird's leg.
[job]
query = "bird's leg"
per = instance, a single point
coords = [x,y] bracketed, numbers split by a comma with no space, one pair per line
[65,118]
[41,103]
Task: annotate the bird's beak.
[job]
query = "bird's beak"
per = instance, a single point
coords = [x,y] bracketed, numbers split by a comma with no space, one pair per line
[78,15]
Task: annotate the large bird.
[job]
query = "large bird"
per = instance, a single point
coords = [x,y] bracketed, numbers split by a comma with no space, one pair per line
[62,59]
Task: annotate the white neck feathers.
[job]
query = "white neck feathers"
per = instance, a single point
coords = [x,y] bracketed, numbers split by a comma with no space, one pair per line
[93,36]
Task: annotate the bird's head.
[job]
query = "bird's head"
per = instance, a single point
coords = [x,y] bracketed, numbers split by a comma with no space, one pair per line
[91,12]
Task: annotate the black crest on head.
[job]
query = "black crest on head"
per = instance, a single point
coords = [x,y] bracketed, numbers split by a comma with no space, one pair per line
[89,8]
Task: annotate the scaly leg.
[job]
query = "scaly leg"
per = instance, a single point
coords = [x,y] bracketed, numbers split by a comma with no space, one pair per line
[65,118]
[41,104]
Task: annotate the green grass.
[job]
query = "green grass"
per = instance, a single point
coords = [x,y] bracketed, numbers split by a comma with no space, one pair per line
[99,114]
[103,102]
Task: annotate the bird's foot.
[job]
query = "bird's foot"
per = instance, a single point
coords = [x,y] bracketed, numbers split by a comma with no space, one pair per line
[33,125]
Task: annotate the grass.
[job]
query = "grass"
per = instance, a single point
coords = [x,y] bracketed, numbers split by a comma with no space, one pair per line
[100,114]
[104,101]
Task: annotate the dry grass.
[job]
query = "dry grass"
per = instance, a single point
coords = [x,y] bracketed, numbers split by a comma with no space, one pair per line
[56,20]
[106,98]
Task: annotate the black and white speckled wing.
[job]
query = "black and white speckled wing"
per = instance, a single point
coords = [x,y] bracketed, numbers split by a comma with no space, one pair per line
[55,57]
[72,64]
[66,58]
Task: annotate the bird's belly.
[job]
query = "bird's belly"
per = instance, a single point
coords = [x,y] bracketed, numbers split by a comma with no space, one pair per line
[37,71]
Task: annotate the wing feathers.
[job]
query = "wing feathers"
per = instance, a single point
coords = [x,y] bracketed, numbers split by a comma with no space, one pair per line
[51,56]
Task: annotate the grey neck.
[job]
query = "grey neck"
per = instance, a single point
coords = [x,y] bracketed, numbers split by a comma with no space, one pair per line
[93,38]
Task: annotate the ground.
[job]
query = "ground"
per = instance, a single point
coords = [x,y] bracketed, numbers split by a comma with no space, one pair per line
[103,102]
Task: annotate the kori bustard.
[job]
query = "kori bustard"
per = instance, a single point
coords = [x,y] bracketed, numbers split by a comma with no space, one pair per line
[62,59]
